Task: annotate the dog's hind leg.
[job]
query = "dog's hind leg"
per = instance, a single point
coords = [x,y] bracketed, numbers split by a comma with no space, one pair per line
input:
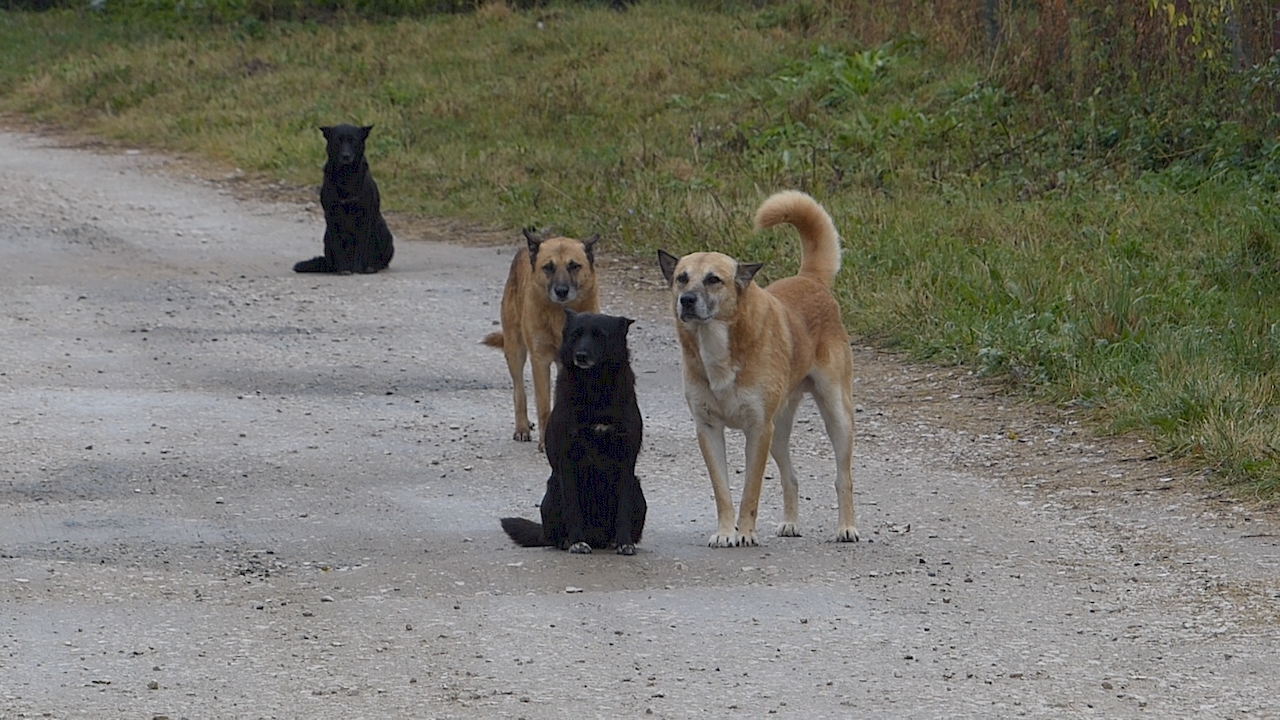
[835,402]
[384,248]
[371,255]
[780,448]
[639,509]
[552,517]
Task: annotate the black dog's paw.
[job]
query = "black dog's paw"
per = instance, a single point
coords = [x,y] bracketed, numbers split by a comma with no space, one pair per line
[626,549]
[580,548]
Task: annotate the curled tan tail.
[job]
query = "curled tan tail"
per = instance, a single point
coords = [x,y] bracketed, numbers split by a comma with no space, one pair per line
[493,339]
[819,241]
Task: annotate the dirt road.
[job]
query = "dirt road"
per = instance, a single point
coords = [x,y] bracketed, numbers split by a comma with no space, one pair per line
[230,491]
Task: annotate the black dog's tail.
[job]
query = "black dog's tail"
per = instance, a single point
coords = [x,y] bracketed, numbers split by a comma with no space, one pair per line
[525,533]
[315,264]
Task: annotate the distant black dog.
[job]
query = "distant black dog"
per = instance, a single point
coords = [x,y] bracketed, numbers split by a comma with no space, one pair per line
[356,238]
[593,436]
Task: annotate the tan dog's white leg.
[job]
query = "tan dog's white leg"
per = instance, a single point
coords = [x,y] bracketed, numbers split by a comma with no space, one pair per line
[781,451]
[542,397]
[758,441]
[711,442]
[835,403]
[516,357]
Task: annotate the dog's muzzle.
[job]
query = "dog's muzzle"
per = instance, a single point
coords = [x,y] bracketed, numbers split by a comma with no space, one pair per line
[689,307]
[582,360]
[562,293]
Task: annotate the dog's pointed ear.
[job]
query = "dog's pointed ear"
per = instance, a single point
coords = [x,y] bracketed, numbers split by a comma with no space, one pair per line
[569,315]
[667,262]
[364,132]
[626,323]
[746,271]
[590,244]
[533,240]
[326,130]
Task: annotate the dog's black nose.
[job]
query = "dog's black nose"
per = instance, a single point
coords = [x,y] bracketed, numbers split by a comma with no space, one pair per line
[688,300]
[562,291]
[580,359]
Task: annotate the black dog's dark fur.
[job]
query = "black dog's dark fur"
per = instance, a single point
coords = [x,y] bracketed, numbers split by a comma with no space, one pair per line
[356,238]
[593,497]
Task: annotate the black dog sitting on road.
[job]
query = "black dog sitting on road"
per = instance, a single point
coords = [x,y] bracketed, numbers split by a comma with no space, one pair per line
[593,497]
[356,238]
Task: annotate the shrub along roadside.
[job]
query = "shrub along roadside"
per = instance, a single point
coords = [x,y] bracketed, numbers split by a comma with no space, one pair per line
[1117,253]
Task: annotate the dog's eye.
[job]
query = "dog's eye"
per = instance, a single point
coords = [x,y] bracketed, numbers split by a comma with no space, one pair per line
[712,280]
[682,278]
[573,266]
[549,268]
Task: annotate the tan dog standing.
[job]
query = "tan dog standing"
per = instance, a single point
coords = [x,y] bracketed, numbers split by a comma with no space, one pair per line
[546,276]
[750,354]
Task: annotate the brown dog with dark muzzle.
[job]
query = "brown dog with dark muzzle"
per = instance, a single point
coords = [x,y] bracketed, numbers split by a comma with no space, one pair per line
[547,276]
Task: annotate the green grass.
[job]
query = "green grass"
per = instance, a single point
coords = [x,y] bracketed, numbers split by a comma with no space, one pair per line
[1119,254]
[485,116]
[1153,310]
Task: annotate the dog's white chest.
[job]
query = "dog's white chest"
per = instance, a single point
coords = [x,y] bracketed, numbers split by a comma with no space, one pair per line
[721,397]
[717,362]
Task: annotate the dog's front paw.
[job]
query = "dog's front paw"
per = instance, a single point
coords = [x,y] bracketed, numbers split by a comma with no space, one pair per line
[732,539]
[580,548]
[849,534]
[723,540]
[788,530]
[626,549]
[522,435]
